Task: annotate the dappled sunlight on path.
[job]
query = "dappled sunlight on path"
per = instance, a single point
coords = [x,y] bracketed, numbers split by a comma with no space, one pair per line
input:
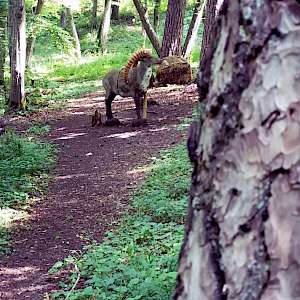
[97,170]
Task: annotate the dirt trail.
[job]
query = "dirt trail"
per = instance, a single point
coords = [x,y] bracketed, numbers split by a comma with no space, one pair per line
[97,169]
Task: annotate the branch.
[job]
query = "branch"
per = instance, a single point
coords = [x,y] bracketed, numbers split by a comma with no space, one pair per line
[148,27]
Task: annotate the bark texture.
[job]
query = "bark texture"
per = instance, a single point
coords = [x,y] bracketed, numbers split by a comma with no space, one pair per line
[171,44]
[193,28]
[72,28]
[32,38]
[242,239]
[17,53]
[148,27]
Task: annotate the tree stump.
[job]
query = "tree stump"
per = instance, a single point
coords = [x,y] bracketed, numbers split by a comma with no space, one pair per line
[174,70]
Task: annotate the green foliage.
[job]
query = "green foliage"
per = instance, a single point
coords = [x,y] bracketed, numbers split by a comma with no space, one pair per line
[38,129]
[138,260]
[23,164]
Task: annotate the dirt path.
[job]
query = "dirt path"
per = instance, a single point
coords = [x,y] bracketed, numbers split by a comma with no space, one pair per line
[96,171]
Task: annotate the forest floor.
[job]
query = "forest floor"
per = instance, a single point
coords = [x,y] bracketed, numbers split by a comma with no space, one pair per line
[97,170]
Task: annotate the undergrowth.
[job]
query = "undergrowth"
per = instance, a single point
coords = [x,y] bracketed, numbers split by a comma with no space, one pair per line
[139,259]
[24,164]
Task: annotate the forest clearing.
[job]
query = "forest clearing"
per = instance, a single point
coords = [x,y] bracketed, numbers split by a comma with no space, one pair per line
[149,150]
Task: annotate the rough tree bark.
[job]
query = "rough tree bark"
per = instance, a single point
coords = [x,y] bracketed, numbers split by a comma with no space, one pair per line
[171,44]
[94,14]
[148,27]
[32,38]
[193,28]
[3,43]
[72,28]
[105,26]
[242,239]
[17,53]
[156,14]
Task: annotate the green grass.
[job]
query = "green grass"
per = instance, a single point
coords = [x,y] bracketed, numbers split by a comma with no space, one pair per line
[139,259]
[24,164]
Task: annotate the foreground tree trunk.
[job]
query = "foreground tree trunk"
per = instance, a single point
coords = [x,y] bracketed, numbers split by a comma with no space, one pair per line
[17,53]
[105,26]
[171,44]
[243,231]
[72,28]
[148,27]
[32,38]
[193,28]
[3,44]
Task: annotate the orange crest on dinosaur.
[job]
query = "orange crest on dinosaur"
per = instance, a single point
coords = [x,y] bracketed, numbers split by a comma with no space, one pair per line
[133,61]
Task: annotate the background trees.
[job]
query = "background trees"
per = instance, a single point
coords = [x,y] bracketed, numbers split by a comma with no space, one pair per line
[17,52]
[56,31]
[242,232]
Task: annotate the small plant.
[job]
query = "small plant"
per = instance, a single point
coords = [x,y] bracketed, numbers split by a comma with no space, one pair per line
[24,164]
[38,129]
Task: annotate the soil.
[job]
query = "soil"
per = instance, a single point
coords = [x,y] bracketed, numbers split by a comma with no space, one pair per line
[97,170]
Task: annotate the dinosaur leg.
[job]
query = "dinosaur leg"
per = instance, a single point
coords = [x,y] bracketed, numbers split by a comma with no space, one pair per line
[111,121]
[145,106]
[138,100]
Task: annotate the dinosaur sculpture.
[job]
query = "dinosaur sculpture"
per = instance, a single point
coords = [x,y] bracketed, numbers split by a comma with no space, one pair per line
[131,81]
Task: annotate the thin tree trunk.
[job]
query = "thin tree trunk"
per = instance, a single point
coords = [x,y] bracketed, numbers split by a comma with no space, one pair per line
[105,26]
[208,39]
[193,28]
[17,53]
[73,31]
[3,44]
[242,234]
[156,14]
[32,38]
[115,10]
[148,27]
[63,17]
[94,14]
[171,44]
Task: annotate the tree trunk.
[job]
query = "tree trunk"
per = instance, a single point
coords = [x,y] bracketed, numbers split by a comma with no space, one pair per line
[147,25]
[32,38]
[193,28]
[115,10]
[17,53]
[94,14]
[243,233]
[144,33]
[156,14]
[105,26]
[73,31]
[208,40]
[171,44]
[63,17]
[3,44]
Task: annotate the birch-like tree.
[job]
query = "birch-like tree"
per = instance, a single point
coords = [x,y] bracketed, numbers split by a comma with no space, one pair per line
[243,232]
[17,53]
